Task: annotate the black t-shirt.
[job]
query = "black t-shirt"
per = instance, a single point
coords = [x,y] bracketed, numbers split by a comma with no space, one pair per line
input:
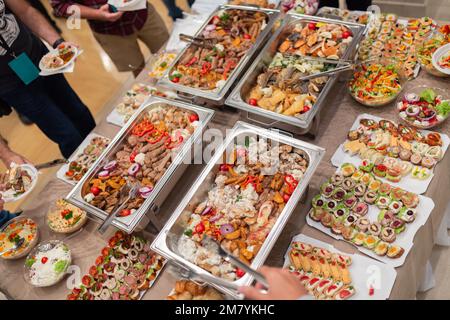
[21,40]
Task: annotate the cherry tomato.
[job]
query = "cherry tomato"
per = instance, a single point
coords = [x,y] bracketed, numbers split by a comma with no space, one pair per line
[306,108]
[286,197]
[200,228]
[72,297]
[311,26]
[125,212]
[132,157]
[70,173]
[95,191]
[93,271]
[371,291]
[112,242]
[193,117]
[86,281]
[44,260]
[76,291]
[215,19]
[247,36]
[99,260]
[119,235]
[240,273]
[346,34]
[253,102]
[105,251]
[176,80]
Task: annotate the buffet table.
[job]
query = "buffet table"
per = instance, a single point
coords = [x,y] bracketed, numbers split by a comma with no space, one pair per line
[337,116]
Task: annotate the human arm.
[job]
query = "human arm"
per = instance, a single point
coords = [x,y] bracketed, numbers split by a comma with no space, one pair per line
[34,20]
[7,156]
[283,285]
[62,8]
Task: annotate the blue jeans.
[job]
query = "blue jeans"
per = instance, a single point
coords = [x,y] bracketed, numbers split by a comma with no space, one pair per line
[55,108]
[5,216]
[174,11]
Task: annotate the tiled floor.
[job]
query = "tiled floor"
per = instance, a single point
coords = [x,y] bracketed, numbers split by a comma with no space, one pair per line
[96,80]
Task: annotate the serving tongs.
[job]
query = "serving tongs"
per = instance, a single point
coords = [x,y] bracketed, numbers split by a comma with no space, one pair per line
[214,246]
[198,41]
[126,193]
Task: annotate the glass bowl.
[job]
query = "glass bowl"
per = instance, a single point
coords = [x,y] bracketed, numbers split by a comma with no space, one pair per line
[420,122]
[357,80]
[59,224]
[47,263]
[427,48]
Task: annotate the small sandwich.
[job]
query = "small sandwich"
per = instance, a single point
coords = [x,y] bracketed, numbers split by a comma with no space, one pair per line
[317,214]
[371,241]
[325,269]
[348,233]
[333,288]
[342,259]
[381,248]
[407,214]
[359,238]
[294,257]
[305,277]
[313,283]
[297,245]
[315,265]
[395,252]
[345,293]
[323,285]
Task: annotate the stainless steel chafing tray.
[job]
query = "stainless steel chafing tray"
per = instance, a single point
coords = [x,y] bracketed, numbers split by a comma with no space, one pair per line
[219,95]
[166,242]
[163,187]
[269,118]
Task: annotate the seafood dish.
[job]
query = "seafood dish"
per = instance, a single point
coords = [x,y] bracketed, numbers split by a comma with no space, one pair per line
[243,204]
[396,39]
[308,7]
[64,217]
[343,206]
[257,3]
[47,264]
[376,83]
[318,39]
[188,290]
[81,162]
[143,157]
[17,181]
[161,64]
[17,229]
[278,90]
[59,58]
[125,270]
[324,274]
[360,17]
[231,33]
[394,151]
[429,46]
[424,107]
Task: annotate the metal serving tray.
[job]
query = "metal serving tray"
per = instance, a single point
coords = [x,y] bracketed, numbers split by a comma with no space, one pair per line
[166,242]
[276,3]
[219,95]
[163,187]
[322,13]
[269,118]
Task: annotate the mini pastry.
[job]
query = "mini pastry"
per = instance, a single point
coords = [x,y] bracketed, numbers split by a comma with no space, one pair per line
[407,214]
[374,185]
[388,235]
[405,154]
[370,197]
[347,169]
[395,252]
[331,205]
[375,229]
[339,194]
[348,232]
[382,202]
[359,238]
[348,184]
[416,159]
[366,179]
[334,288]
[395,206]
[397,193]
[350,220]
[337,179]
[366,166]
[350,202]
[361,209]
[337,227]
[393,175]
[371,241]
[428,162]
[381,248]
[385,189]
[341,212]
[362,224]
[317,214]
[380,170]
[327,220]
[327,189]
[410,200]
[318,201]
[360,189]
[398,225]
[353,135]
[435,152]
[357,175]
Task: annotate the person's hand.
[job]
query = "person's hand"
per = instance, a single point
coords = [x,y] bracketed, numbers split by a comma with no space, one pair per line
[105,15]
[11,157]
[283,285]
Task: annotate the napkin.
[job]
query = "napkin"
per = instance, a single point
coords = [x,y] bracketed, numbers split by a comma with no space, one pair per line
[134,6]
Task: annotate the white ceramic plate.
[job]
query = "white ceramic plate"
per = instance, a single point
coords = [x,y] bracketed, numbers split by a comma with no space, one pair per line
[44,68]
[9,195]
[444,50]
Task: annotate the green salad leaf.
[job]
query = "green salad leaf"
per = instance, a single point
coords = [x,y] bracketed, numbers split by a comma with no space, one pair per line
[443,108]
[60,266]
[29,262]
[428,95]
